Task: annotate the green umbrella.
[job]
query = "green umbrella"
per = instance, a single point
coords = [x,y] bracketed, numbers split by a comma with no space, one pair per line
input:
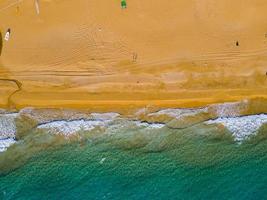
[123,4]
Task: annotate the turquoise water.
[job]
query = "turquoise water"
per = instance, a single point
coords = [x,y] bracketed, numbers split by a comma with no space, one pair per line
[194,163]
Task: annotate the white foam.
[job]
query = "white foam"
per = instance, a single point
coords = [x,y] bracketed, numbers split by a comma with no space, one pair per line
[179,113]
[5,143]
[102,160]
[241,127]
[8,125]
[149,125]
[230,109]
[68,128]
[105,116]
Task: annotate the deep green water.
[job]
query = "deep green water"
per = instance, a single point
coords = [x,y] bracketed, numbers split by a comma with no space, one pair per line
[195,163]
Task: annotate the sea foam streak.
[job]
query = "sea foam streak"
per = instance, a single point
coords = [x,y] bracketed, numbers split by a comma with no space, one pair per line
[241,127]
[68,128]
[7,130]
[71,122]
[5,143]
[7,125]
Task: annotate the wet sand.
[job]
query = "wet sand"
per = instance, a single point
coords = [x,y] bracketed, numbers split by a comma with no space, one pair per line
[93,54]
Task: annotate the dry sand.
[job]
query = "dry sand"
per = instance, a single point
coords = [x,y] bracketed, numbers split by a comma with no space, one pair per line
[93,54]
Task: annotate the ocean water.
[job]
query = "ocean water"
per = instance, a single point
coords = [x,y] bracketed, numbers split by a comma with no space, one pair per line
[133,162]
[192,155]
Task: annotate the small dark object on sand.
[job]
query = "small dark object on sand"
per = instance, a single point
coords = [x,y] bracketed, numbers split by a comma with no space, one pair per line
[237,43]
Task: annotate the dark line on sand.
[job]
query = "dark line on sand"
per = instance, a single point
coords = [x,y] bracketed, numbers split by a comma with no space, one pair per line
[10,103]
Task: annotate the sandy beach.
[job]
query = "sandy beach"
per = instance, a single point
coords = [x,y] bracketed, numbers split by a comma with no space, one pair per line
[93,54]
[131,99]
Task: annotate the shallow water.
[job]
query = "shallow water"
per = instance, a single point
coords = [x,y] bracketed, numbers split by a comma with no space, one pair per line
[218,152]
[134,162]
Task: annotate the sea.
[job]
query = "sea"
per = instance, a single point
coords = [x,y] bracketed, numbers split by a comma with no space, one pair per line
[109,156]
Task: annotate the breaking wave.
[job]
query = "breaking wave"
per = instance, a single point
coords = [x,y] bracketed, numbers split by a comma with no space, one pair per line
[234,118]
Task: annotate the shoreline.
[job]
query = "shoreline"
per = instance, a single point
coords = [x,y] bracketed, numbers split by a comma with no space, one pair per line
[32,117]
[36,129]
[95,102]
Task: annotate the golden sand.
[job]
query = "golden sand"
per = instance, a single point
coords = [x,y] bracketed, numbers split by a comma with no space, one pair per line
[93,54]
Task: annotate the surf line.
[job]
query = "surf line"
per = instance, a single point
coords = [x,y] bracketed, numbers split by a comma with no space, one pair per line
[10,103]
